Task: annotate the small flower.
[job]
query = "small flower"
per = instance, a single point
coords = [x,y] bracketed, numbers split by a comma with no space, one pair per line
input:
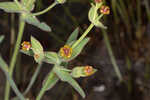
[88,70]
[98,1]
[66,51]
[82,71]
[105,10]
[26,46]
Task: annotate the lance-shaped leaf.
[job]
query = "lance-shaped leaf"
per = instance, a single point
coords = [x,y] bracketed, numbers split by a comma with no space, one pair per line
[28,52]
[37,49]
[66,77]
[34,21]
[93,13]
[1,38]
[50,80]
[73,36]
[29,4]
[11,7]
[36,46]
[97,23]
[51,57]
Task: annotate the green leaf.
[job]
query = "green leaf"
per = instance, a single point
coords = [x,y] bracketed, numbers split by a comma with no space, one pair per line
[36,46]
[34,21]
[29,52]
[29,4]
[66,77]
[51,57]
[48,83]
[11,7]
[50,80]
[93,15]
[37,49]
[99,24]
[1,38]
[77,50]
[4,67]
[73,36]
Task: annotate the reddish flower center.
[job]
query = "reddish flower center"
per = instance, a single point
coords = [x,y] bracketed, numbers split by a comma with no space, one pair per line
[66,51]
[26,46]
[88,70]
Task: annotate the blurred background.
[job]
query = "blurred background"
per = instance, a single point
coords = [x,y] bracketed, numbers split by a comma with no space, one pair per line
[129,35]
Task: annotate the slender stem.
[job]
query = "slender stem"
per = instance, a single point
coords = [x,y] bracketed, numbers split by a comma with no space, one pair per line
[50,82]
[83,36]
[45,10]
[33,78]
[86,32]
[14,57]
[12,31]
[112,57]
[4,67]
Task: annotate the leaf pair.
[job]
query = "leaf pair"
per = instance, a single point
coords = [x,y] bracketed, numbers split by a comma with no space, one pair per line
[24,7]
[66,77]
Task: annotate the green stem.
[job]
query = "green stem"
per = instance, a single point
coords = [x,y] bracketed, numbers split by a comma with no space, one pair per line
[50,82]
[45,10]
[83,36]
[112,57]
[4,67]
[86,32]
[33,78]
[14,57]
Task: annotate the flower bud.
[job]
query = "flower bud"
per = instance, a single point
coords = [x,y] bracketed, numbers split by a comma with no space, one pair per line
[82,71]
[105,10]
[25,46]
